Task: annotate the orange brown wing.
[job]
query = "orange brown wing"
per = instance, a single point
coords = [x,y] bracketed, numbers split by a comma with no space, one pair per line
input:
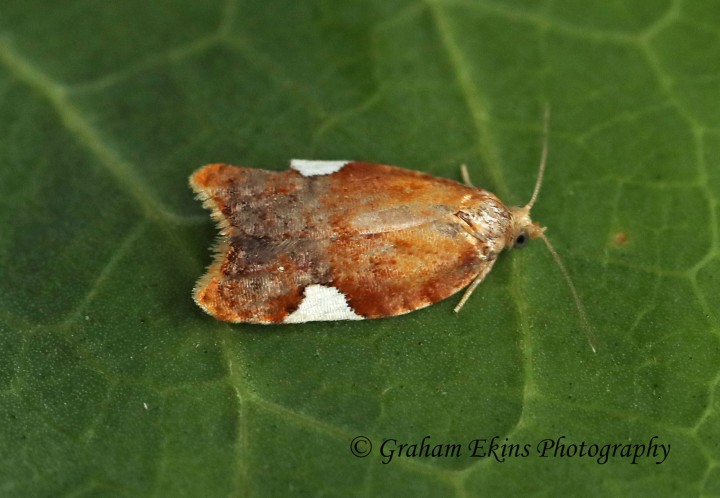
[385,239]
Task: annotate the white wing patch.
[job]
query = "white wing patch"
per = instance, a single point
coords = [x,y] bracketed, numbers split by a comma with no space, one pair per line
[313,168]
[322,303]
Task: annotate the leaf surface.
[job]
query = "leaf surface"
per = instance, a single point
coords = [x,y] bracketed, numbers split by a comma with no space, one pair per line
[112,382]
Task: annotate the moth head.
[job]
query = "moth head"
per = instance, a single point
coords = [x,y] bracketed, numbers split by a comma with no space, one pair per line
[522,228]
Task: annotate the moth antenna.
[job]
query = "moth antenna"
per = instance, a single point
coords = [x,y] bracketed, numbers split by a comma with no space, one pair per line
[543,158]
[581,310]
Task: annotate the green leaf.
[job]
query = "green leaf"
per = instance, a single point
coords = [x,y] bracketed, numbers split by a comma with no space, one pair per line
[113,383]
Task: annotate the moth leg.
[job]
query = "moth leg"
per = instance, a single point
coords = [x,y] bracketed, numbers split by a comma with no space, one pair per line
[465,175]
[481,276]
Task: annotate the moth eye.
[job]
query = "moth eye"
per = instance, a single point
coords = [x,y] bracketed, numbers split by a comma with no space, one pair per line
[521,240]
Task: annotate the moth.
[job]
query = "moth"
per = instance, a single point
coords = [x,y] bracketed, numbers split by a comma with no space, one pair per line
[349,240]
